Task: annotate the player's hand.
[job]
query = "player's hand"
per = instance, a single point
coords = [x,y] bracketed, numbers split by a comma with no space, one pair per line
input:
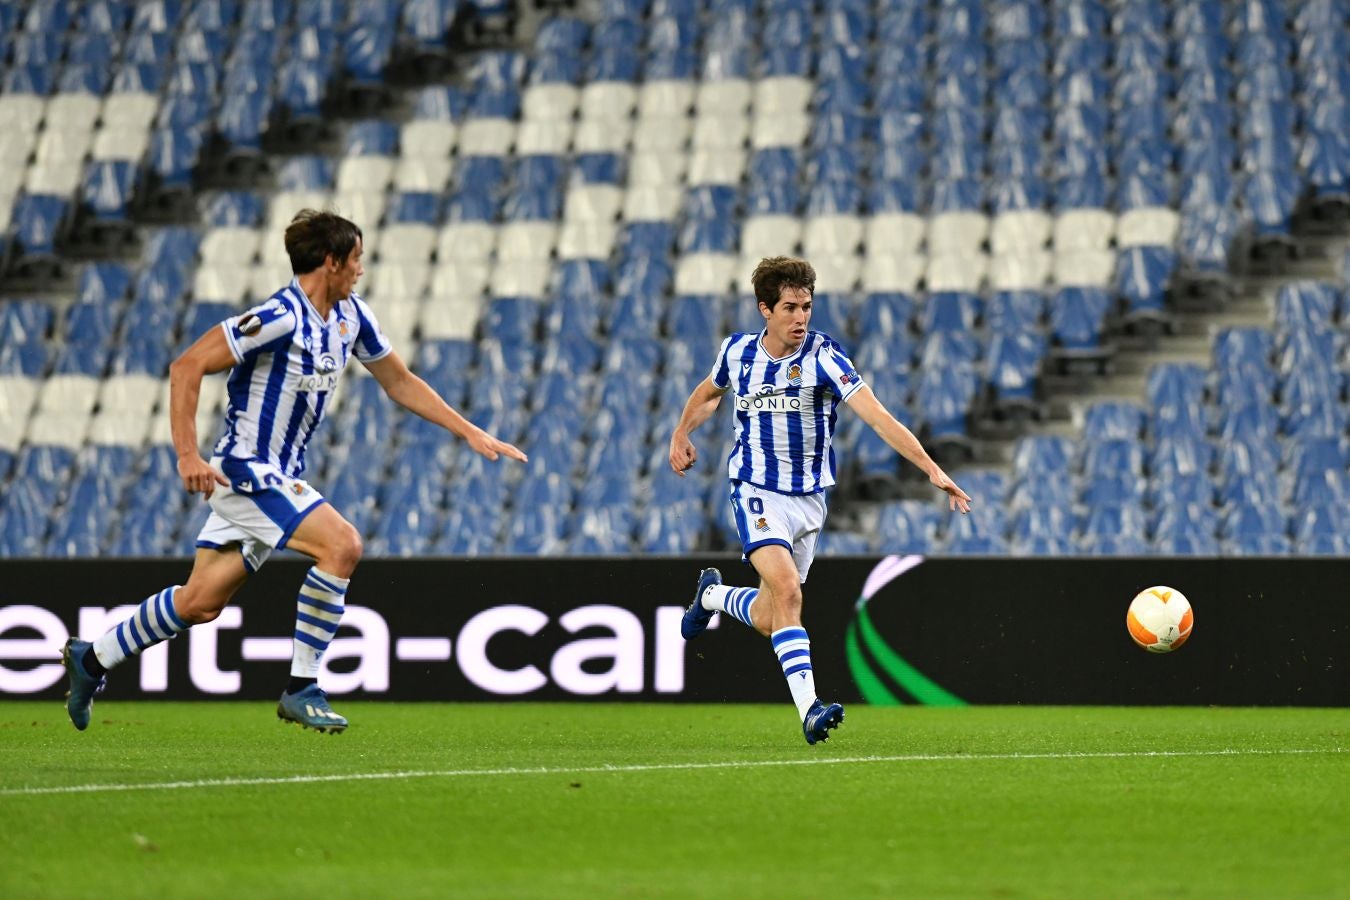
[956,498]
[682,454]
[487,445]
[198,476]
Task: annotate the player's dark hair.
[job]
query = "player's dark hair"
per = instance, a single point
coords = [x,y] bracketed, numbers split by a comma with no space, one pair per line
[313,236]
[777,272]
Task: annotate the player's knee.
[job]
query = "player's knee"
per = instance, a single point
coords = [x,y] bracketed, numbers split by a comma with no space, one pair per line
[346,550]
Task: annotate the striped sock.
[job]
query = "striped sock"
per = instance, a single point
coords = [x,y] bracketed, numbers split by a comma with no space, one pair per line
[156,620]
[794,655]
[733,601]
[317,614]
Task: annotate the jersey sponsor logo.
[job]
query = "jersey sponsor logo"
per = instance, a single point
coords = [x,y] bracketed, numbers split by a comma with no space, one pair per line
[769,403]
[316,383]
[248,324]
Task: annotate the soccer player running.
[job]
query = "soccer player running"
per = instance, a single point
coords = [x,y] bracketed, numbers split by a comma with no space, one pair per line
[285,357]
[787,383]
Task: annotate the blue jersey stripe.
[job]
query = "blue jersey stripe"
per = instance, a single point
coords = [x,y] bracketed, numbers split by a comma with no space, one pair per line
[747,359]
[276,379]
[301,404]
[766,442]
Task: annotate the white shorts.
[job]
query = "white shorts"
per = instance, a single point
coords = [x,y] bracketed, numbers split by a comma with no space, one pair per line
[767,517]
[259,510]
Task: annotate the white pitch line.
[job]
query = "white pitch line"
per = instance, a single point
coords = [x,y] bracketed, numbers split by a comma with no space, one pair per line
[655,767]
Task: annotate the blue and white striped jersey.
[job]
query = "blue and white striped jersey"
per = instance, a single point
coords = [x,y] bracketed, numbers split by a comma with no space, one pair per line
[785,410]
[287,363]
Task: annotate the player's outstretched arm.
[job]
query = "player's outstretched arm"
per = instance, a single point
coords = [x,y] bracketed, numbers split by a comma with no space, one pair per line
[701,405]
[903,441]
[207,356]
[416,396]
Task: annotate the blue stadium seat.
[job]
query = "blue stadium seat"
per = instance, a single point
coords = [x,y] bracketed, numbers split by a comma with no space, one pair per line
[1078,317]
[103,282]
[371,137]
[441,102]
[38,220]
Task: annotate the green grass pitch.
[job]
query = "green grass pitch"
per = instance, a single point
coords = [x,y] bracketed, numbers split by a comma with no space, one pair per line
[613,800]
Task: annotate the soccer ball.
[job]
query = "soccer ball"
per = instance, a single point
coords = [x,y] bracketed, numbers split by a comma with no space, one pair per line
[1160,619]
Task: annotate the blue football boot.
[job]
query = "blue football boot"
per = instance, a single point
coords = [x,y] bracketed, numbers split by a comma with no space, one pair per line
[309,708]
[696,617]
[83,686]
[820,718]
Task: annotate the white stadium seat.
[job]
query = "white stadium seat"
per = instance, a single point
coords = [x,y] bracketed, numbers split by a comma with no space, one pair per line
[284,206]
[779,130]
[784,94]
[365,173]
[1024,270]
[1150,226]
[662,133]
[466,241]
[832,235]
[427,139]
[1084,229]
[55,176]
[120,143]
[1017,230]
[120,430]
[407,242]
[68,394]
[720,132]
[894,232]
[957,232]
[543,136]
[888,273]
[452,318]
[22,112]
[587,240]
[956,272]
[423,174]
[608,100]
[838,273]
[459,278]
[219,282]
[526,241]
[398,319]
[130,394]
[520,278]
[16,145]
[652,204]
[666,97]
[365,208]
[593,203]
[1085,268]
[705,273]
[602,136]
[716,166]
[729,96]
[554,101]
[652,167]
[130,109]
[72,113]
[231,246]
[18,396]
[763,236]
[486,137]
[264,280]
[402,279]
[58,429]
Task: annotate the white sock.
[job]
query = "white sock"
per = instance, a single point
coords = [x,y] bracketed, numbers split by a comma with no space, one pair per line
[733,601]
[318,612]
[154,621]
[794,654]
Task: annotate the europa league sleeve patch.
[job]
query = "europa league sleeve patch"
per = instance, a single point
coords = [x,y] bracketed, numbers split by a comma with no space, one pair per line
[249,324]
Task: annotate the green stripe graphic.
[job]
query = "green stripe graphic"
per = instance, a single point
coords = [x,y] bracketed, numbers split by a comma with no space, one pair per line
[919,686]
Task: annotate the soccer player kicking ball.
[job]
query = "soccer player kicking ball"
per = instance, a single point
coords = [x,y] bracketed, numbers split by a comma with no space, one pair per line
[285,358]
[787,383]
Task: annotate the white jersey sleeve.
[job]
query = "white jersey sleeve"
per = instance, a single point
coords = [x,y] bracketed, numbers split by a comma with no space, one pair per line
[371,344]
[838,370]
[721,370]
[261,328]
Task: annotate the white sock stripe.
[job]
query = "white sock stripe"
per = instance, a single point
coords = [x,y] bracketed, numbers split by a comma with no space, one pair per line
[309,590]
[317,612]
[783,649]
[314,631]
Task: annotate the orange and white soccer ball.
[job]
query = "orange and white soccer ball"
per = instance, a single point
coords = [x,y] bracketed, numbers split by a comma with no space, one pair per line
[1160,619]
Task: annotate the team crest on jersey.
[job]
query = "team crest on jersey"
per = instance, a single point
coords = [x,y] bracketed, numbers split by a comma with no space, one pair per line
[342,328]
[761,524]
[297,488]
[795,375]
[326,365]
